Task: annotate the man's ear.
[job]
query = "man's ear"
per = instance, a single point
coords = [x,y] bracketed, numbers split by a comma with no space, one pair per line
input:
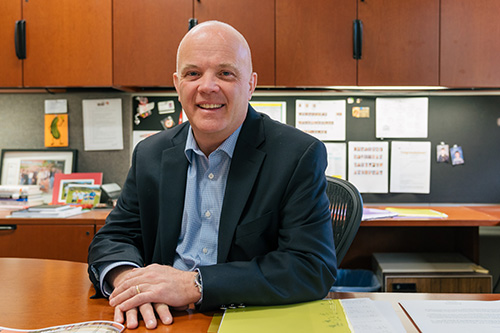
[252,84]
[175,78]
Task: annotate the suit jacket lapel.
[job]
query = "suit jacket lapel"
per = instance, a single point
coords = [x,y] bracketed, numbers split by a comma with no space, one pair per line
[245,166]
[172,191]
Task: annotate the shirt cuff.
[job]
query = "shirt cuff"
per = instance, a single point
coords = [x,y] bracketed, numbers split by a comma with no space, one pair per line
[104,269]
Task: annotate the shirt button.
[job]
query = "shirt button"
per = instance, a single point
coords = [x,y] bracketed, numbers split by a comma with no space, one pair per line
[207,213]
[205,250]
[211,176]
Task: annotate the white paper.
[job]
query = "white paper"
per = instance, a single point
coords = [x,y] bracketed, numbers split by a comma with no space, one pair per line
[401,117]
[275,110]
[366,316]
[102,124]
[410,167]
[324,120]
[138,136]
[368,166]
[454,316]
[53,106]
[337,158]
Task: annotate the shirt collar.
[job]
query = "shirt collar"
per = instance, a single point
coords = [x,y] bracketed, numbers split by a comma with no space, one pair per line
[227,146]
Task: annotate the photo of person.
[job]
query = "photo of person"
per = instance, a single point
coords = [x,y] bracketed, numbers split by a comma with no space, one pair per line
[457,156]
[40,172]
[443,153]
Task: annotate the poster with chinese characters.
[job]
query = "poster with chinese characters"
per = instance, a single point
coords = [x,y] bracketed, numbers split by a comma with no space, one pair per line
[323,119]
[368,166]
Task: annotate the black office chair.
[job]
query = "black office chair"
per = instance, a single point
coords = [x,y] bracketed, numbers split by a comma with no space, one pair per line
[346,209]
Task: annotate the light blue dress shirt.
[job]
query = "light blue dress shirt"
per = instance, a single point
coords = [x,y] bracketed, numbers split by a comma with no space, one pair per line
[205,187]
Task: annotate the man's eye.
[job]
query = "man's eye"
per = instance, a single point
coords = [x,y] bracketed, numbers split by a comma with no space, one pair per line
[191,74]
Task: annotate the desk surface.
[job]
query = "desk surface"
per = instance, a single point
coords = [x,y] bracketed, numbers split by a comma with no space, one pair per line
[40,293]
[458,216]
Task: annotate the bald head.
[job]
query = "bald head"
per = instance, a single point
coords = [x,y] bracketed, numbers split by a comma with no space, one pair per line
[218,34]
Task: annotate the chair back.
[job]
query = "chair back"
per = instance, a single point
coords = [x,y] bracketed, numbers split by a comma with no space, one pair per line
[346,210]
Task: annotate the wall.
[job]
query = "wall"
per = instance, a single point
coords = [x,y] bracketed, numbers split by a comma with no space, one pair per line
[22,127]
[467,120]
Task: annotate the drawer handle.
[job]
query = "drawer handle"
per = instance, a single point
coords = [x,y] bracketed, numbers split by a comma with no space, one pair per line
[8,227]
[20,39]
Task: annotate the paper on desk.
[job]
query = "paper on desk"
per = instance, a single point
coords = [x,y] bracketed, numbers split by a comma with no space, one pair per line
[367,316]
[83,327]
[374,213]
[454,316]
[417,212]
[316,316]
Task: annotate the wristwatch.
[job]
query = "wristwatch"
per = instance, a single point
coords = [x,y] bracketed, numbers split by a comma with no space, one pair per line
[197,282]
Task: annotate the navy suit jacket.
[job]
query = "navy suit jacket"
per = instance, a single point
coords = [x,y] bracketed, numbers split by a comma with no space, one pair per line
[275,242]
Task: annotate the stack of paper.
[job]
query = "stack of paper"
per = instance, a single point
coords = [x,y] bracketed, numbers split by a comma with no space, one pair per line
[350,315]
[373,213]
[20,196]
[48,211]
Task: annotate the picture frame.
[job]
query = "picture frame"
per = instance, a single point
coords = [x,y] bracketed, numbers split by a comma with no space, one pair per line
[36,167]
[62,181]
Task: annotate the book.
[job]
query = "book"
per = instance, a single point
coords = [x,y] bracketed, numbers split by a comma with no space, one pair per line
[103,326]
[49,208]
[20,189]
[59,212]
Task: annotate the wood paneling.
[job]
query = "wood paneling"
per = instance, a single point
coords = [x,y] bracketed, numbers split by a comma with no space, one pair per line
[400,42]
[68,43]
[470,43]
[314,43]
[255,20]
[146,35]
[11,68]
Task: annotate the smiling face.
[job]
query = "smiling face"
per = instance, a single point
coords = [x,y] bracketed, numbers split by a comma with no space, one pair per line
[214,81]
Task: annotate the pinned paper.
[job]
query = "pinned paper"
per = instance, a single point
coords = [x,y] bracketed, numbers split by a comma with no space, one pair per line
[361,112]
[56,130]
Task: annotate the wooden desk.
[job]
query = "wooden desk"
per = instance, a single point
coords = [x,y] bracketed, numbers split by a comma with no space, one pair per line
[38,293]
[69,238]
[459,232]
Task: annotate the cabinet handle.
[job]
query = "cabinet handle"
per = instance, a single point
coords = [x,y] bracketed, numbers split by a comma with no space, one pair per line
[20,39]
[358,39]
[192,23]
[8,227]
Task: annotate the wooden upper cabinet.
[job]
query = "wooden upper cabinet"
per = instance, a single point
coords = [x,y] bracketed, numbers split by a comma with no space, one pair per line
[400,42]
[255,20]
[470,43]
[68,43]
[314,43]
[11,68]
[146,35]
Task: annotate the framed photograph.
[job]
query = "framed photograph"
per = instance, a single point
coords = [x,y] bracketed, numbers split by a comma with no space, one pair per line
[63,181]
[36,167]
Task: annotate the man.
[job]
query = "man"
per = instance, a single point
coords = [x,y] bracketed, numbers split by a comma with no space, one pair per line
[229,208]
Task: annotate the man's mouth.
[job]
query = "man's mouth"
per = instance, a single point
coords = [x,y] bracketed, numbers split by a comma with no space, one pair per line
[210,106]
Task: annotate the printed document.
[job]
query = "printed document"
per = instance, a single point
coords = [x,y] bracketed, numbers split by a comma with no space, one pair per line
[401,117]
[102,124]
[454,316]
[410,167]
[323,119]
[368,166]
[337,156]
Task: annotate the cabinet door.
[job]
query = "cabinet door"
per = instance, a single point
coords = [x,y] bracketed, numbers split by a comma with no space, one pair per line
[63,242]
[146,35]
[255,20]
[314,43]
[11,68]
[400,42]
[470,43]
[68,43]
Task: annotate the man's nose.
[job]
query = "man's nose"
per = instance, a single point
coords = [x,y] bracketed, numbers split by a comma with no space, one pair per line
[208,83]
